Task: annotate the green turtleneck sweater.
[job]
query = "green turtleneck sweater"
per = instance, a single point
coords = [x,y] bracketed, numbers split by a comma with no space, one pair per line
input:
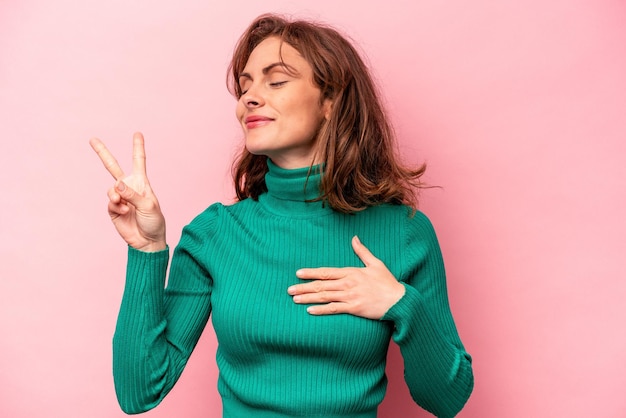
[276,360]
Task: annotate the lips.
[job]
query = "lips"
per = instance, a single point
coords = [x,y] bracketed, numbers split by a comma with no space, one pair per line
[256,121]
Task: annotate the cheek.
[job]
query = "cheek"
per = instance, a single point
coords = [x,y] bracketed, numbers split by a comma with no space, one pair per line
[309,109]
[239,110]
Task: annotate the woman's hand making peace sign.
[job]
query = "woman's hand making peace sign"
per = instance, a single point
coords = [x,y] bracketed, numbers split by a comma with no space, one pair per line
[133,207]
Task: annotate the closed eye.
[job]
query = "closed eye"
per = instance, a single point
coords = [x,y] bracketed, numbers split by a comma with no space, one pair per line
[275,84]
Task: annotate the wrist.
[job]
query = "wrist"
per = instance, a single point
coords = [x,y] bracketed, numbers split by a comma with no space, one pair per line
[398,294]
[153,247]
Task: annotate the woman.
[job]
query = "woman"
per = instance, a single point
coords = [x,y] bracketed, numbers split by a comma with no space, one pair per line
[302,309]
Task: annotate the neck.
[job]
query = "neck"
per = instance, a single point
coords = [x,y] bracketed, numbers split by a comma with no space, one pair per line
[293,162]
[293,192]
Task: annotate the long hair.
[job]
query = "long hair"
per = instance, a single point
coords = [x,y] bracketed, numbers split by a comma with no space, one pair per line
[356,143]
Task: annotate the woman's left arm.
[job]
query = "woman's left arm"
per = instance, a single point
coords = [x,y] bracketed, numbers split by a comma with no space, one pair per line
[438,370]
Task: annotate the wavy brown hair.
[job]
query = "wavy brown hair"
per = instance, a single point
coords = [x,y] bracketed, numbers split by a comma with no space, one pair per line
[356,143]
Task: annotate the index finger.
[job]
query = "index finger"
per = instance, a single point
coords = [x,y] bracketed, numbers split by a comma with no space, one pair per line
[109,161]
[139,154]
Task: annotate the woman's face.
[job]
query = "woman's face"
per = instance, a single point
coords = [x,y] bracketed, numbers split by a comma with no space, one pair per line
[280,108]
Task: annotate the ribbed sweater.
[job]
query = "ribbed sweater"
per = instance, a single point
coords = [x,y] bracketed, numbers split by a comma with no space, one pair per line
[235,263]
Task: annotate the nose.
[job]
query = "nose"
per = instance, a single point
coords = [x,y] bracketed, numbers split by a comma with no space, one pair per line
[252,98]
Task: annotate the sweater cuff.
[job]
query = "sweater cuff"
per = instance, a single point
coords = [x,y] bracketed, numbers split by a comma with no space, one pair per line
[405,305]
[146,271]
[403,313]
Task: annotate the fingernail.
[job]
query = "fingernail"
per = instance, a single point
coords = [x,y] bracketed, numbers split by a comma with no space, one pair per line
[291,290]
[121,186]
[358,241]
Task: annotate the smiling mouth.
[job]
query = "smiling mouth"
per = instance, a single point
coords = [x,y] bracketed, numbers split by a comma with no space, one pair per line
[252,122]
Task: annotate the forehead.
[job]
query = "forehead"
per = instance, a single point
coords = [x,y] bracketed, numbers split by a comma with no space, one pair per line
[273,50]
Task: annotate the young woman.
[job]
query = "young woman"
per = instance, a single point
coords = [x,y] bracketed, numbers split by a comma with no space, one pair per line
[321,261]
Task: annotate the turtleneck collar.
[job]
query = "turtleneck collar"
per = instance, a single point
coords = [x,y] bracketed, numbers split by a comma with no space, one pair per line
[288,190]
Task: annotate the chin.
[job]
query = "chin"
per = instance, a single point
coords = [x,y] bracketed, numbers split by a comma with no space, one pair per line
[256,150]
[257,146]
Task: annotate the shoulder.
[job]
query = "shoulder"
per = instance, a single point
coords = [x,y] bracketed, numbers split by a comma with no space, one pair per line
[204,226]
[419,223]
[413,220]
[411,226]
[207,221]
[207,217]
[217,213]
[415,231]
[386,212]
[420,240]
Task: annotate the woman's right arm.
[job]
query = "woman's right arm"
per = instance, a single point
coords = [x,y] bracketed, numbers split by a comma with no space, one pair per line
[157,328]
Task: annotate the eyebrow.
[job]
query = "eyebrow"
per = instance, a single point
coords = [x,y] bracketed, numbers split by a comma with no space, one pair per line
[290,70]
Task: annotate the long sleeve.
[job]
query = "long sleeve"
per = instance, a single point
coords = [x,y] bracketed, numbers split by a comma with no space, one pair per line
[157,328]
[236,263]
[438,370]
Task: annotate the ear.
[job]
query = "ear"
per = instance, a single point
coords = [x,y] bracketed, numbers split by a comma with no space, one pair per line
[327,108]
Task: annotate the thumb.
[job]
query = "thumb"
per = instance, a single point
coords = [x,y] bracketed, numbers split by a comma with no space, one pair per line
[362,252]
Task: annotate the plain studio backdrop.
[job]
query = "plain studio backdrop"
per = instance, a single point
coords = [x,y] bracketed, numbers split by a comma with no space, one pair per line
[519,109]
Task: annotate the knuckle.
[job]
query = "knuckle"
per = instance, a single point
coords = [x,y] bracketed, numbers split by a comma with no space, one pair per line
[115,209]
[325,274]
[378,264]
[151,206]
[350,282]
[129,191]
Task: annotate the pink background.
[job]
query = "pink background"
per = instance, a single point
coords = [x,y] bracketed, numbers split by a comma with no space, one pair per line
[519,108]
